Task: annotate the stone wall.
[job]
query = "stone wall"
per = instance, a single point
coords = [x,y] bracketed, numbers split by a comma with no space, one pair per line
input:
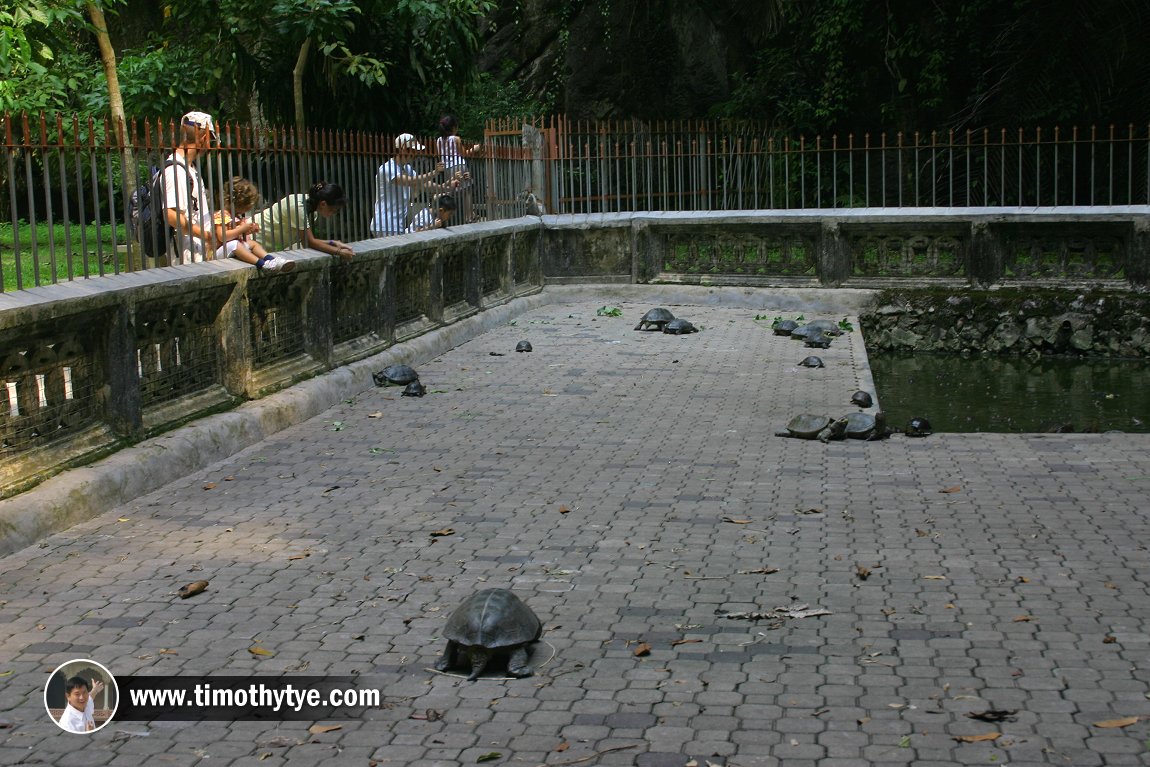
[1010,322]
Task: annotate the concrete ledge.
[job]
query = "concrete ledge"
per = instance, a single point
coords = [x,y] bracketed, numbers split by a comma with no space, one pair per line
[79,494]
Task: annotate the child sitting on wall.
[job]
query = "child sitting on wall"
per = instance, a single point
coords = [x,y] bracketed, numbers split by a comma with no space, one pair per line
[237,199]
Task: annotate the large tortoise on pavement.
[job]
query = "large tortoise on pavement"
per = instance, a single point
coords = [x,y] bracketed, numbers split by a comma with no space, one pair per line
[489,623]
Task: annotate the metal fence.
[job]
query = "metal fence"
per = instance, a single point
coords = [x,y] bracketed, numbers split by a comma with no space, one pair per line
[611,166]
[65,184]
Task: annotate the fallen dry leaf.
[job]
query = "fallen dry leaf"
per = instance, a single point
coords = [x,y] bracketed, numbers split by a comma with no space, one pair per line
[294,557]
[209,485]
[1109,639]
[430,715]
[124,519]
[191,589]
[443,532]
[977,738]
[563,747]
[564,510]
[262,652]
[317,729]
[759,571]
[166,651]
[951,489]
[376,414]
[642,650]
[862,572]
[1112,723]
[1023,579]
[1022,619]
[490,756]
[934,577]
[734,521]
[678,642]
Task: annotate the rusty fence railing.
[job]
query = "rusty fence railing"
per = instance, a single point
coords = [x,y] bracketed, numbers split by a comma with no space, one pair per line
[65,183]
[617,166]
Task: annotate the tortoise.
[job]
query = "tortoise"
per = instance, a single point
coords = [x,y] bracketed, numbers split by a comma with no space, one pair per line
[862,399]
[826,327]
[820,427]
[658,317]
[490,622]
[812,362]
[414,389]
[523,346]
[397,375]
[801,332]
[918,427]
[867,426]
[817,340]
[785,327]
[679,327]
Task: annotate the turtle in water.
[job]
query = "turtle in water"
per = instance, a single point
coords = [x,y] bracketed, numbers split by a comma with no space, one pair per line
[523,346]
[785,327]
[396,375]
[658,317]
[678,327]
[812,362]
[414,389]
[820,427]
[818,340]
[867,426]
[490,622]
[826,327]
[918,427]
[862,399]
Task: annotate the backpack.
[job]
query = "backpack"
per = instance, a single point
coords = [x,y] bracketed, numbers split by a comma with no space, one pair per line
[150,227]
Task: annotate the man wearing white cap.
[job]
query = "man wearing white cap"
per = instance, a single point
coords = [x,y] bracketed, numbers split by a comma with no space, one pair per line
[393,184]
[186,203]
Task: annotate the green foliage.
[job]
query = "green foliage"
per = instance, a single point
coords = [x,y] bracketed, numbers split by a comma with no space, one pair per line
[38,65]
[609,311]
[486,96]
[845,325]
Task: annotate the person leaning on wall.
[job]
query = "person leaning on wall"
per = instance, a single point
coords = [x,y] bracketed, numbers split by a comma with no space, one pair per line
[288,223]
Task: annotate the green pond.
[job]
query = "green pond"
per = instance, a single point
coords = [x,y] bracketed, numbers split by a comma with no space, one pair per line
[976,394]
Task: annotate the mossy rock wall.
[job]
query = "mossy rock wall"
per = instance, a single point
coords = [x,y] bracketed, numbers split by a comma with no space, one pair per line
[1010,322]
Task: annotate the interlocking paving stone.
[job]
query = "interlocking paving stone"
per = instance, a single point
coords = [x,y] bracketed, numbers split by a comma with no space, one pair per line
[317,545]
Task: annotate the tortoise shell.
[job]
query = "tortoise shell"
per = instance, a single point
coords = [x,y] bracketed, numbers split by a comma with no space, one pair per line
[657,317]
[679,327]
[493,618]
[397,375]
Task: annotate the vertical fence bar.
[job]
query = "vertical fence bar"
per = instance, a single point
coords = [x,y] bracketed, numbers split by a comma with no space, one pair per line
[1110,167]
[1038,166]
[1094,145]
[1057,130]
[1074,166]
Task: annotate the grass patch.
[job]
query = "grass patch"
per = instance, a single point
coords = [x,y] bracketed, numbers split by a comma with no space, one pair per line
[79,250]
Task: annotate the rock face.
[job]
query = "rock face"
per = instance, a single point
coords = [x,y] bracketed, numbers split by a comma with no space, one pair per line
[1004,323]
[596,57]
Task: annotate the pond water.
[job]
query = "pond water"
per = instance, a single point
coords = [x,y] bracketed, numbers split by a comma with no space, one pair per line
[997,394]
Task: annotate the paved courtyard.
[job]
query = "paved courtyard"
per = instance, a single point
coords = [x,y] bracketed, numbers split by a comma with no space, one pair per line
[630,488]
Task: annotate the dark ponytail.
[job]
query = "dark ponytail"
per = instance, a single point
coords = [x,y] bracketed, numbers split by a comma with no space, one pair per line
[324,191]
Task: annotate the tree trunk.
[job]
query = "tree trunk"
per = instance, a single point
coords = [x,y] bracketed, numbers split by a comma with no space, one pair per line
[297,87]
[119,118]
